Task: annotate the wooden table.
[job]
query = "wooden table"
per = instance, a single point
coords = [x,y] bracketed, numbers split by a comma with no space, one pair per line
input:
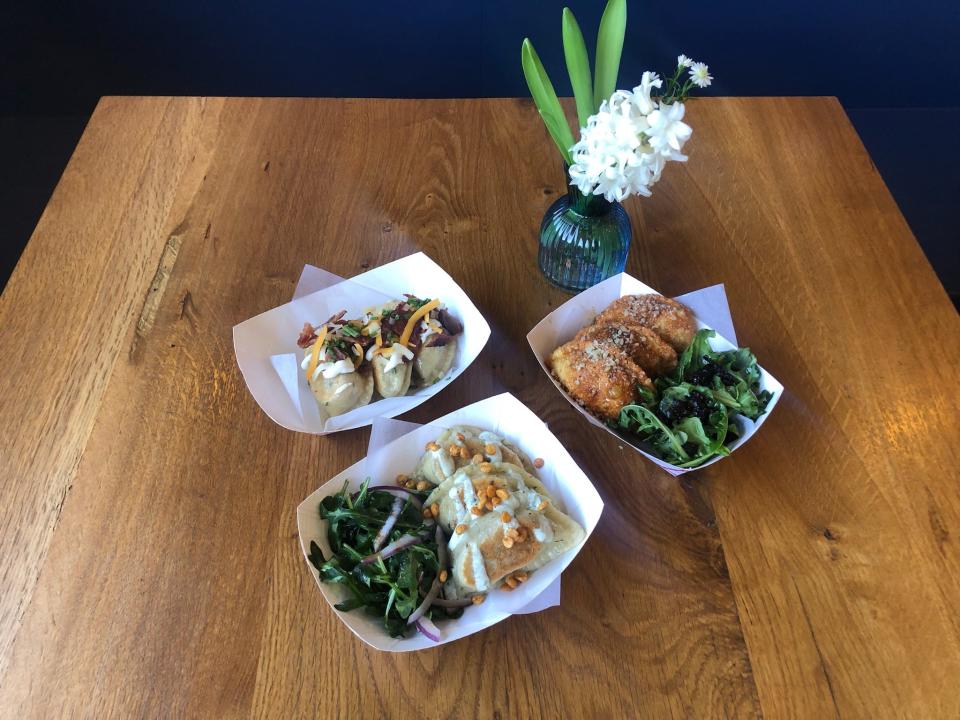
[150,563]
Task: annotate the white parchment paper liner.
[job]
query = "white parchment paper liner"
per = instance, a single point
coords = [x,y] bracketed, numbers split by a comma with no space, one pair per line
[269,358]
[503,414]
[709,305]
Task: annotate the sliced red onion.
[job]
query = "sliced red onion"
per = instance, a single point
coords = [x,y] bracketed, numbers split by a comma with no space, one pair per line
[388,525]
[444,603]
[404,541]
[427,602]
[426,626]
[441,548]
[402,492]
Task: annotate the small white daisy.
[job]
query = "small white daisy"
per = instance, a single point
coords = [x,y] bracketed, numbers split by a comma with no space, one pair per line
[700,75]
[684,61]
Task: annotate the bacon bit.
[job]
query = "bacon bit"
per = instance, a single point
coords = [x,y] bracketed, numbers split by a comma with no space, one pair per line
[307,336]
[337,318]
[449,322]
[438,340]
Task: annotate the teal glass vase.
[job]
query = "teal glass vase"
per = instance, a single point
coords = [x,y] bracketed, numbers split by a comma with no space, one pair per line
[584,239]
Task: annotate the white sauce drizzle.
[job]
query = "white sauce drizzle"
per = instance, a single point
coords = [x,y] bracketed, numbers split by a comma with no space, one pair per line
[399,354]
[480,579]
[428,327]
[332,369]
[446,463]
[489,438]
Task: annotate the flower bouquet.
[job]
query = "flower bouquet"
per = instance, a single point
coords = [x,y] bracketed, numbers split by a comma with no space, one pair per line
[626,140]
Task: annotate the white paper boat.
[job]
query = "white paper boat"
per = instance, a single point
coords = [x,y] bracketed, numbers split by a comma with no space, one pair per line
[563,323]
[269,359]
[507,416]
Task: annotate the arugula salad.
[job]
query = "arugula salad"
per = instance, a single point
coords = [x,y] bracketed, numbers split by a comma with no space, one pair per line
[391,559]
[689,416]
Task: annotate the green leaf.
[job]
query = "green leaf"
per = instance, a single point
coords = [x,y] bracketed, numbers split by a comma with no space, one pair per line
[316,556]
[707,447]
[351,604]
[691,359]
[643,422]
[613,25]
[578,66]
[545,98]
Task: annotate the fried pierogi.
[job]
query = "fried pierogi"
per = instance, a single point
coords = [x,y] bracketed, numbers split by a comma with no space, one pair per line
[641,344]
[598,374]
[669,319]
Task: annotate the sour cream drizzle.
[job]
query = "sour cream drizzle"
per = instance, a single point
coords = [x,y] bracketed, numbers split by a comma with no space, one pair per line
[397,356]
[326,367]
[480,578]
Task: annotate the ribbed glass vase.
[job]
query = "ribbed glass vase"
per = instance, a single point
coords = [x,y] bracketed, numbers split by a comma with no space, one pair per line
[583,239]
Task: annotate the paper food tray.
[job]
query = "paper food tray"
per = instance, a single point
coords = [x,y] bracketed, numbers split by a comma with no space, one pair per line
[269,359]
[563,323]
[507,416]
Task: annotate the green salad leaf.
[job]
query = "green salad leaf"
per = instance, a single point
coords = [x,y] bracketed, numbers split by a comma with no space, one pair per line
[689,418]
[391,588]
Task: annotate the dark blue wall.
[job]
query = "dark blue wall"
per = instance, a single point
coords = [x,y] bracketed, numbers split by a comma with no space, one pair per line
[62,56]
[891,62]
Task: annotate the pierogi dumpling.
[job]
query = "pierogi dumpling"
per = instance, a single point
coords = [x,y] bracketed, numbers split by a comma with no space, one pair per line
[391,381]
[342,393]
[433,362]
[501,521]
[458,447]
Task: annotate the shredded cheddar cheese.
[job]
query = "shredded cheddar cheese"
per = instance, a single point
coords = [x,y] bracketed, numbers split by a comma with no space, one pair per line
[414,319]
[315,356]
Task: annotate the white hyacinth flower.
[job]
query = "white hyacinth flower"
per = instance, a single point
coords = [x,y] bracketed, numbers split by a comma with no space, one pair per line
[625,146]
[641,93]
[700,75]
[667,131]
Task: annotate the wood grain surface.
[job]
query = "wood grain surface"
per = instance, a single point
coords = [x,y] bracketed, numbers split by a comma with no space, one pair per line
[147,506]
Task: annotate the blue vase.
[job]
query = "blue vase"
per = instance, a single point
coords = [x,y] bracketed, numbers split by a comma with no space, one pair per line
[584,239]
